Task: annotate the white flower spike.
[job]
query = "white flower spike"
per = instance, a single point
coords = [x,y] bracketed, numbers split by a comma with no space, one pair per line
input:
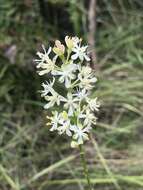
[68,89]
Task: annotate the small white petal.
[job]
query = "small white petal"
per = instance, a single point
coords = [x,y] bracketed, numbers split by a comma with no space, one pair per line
[48,105]
[43,72]
[87,58]
[75,56]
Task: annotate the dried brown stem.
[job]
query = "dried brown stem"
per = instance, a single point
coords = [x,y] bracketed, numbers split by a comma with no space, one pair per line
[92,31]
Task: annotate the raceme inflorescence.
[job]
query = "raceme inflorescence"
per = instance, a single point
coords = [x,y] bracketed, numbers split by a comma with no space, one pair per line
[67,91]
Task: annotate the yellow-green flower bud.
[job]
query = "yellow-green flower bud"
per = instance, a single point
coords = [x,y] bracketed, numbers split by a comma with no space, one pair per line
[59,48]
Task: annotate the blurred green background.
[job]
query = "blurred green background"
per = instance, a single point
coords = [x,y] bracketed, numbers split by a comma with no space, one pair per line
[31,158]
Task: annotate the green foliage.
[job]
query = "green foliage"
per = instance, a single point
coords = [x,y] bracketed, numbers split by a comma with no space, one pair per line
[27,150]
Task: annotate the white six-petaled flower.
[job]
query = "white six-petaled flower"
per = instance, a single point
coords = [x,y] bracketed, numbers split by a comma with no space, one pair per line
[48,87]
[93,104]
[71,103]
[54,120]
[65,124]
[66,74]
[80,133]
[47,67]
[74,115]
[52,99]
[43,57]
[81,94]
[80,52]
[86,78]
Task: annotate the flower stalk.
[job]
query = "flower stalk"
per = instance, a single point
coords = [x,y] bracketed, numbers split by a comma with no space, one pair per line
[85,169]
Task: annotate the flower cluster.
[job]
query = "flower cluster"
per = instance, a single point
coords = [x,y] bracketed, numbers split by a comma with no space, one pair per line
[72,109]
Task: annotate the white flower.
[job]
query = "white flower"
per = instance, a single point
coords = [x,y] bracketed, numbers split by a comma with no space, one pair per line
[85,70]
[66,74]
[80,133]
[71,103]
[86,82]
[71,41]
[86,77]
[48,67]
[80,52]
[81,94]
[54,120]
[65,124]
[53,99]
[93,104]
[48,87]
[88,117]
[43,56]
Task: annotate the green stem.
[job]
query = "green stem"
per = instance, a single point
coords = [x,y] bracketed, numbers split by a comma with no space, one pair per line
[82,155]
[69,52]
